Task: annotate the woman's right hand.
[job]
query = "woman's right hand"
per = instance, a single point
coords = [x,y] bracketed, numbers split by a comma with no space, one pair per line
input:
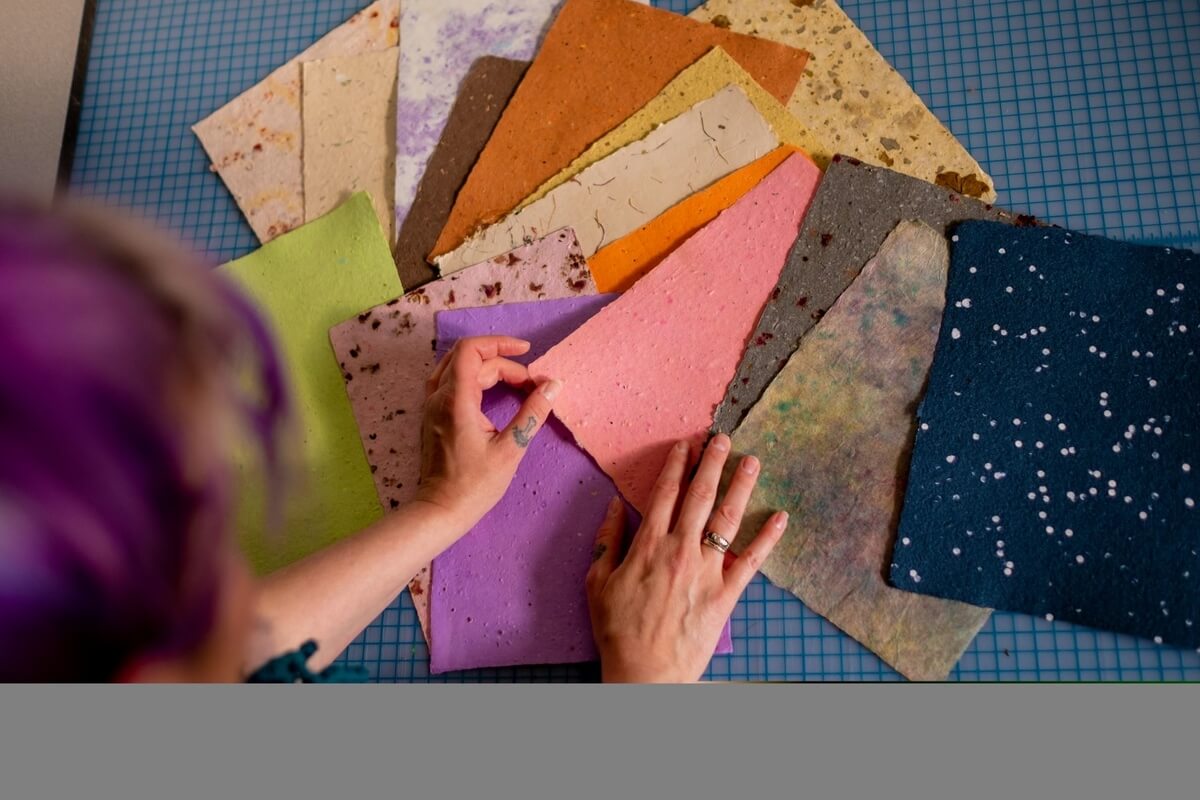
[657,615]
[466,463]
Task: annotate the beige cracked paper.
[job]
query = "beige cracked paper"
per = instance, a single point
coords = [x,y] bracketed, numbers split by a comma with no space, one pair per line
[834,433]
[349,112]
[637,182]
[255,141]
[851,97]
[714,70]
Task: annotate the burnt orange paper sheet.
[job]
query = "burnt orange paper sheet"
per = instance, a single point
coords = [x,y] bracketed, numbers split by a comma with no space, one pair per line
[618,266]
[601,61]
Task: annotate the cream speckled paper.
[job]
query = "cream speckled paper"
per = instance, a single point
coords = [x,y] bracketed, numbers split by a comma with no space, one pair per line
[711,73]
[636,183]
[851,97]
[349,133]
[255,140]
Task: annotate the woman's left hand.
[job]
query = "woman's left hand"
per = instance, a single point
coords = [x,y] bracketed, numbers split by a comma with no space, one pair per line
[466,463]
[657,614]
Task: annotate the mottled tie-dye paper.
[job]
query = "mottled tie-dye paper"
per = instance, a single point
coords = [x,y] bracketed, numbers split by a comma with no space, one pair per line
[1057,466]
[255,141]
[386,353]
[833,432]
[856,207]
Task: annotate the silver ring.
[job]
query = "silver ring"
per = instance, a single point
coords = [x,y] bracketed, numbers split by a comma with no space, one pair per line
[716,541]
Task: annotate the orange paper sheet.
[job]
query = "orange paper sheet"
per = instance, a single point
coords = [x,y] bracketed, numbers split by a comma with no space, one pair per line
[617,267]
[601,61]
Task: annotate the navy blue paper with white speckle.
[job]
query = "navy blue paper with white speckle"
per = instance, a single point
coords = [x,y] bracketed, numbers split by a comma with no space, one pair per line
[1056,469]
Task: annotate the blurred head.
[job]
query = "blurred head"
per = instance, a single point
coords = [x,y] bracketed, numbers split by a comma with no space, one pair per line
[127,368]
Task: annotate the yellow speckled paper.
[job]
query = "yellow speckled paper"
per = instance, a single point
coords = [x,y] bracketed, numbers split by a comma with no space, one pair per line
[255,140]
[851,97]
[350,133]
[304,283]
[711,73]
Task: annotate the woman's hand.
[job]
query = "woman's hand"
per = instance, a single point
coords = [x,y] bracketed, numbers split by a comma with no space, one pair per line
[658,614]
[466,463]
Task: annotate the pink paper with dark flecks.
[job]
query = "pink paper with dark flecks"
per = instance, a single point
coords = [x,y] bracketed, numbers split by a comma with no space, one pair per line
[387,352]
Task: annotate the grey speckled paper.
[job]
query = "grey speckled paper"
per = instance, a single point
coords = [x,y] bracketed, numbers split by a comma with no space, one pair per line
[857,205]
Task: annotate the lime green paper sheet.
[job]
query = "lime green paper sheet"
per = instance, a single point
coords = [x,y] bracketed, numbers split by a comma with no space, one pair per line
[305,282]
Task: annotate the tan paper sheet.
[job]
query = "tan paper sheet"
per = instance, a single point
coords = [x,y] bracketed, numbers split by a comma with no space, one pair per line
[349,112]
[255,140]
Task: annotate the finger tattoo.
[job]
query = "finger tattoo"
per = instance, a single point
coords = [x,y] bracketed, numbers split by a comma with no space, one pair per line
[523,436]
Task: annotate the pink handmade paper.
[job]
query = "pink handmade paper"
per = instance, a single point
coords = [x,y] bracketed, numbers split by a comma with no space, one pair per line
[387,352]
[651,368]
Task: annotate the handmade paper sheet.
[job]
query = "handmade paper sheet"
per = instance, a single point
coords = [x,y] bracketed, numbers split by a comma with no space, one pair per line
[833,432]
[601,61]
[387,352]
[713,72]
[851,97]
[649,369]
[255,141]
[636,183]
[512,590]
[485,92]
[495,604]
[855,209]
[618,266]
[303,283]
[349,137]
[1055,469]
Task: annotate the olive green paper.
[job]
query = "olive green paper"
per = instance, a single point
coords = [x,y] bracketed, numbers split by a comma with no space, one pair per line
[304,282]
[834,433]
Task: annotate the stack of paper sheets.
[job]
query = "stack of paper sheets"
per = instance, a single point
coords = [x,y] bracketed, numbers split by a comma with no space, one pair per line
[959,407]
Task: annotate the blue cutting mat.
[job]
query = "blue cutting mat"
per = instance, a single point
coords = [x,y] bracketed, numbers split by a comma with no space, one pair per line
[1084,113]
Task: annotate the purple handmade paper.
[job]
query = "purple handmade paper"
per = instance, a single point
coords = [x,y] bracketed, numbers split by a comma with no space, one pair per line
[512,590]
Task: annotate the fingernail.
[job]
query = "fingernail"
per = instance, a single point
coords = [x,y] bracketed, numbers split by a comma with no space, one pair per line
[781,519]
[681,446]
[550,389]
[720,443]
[614,506]
[750,465]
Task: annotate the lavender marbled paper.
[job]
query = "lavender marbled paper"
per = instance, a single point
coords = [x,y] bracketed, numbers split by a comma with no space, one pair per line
[440,40]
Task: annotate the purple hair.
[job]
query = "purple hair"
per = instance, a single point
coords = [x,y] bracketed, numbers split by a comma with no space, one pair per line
[112,538]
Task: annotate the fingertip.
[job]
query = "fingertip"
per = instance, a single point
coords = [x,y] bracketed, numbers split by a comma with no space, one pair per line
[614,506]
[749,465]
[516,346]
[720,443]
[551,389]
[781,519]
